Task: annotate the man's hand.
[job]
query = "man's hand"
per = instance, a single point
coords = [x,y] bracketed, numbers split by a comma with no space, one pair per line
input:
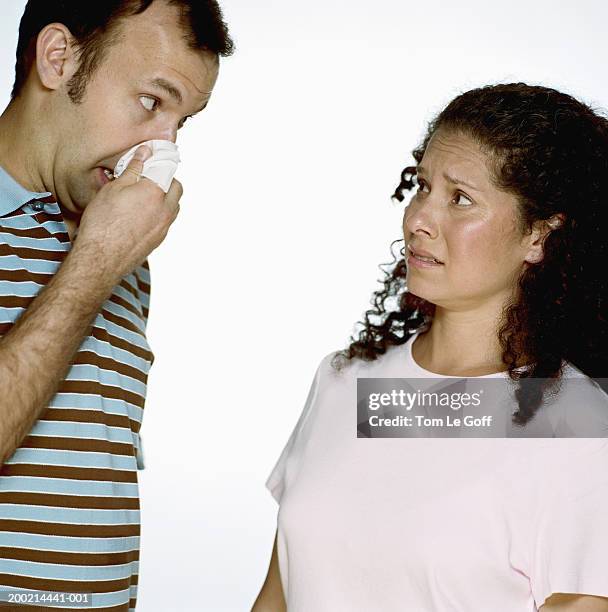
[127,219]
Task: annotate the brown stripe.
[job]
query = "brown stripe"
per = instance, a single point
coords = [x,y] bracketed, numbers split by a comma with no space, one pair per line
[67,586]
[91,358]
[29,253]
[32,232]
[69,529]
[121,321]
[46,215]
[125,284]
[69,501]
[15,301]
[120,301]
[63,558]
[15,213]
[93,387]
[21,276]
[102,334]
[72,473]
[143,286]
[78,444]
[146,311]
[89,416]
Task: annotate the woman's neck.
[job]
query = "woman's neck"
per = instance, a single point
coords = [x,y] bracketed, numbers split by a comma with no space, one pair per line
[460,344]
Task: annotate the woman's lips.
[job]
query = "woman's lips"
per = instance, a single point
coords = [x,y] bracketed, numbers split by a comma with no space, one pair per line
[412,260]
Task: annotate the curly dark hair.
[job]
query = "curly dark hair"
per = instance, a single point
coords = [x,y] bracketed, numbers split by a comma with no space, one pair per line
[551,152]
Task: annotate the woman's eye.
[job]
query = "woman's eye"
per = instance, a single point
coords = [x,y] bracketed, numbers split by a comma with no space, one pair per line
[420,182]
[461,197]
[148,102]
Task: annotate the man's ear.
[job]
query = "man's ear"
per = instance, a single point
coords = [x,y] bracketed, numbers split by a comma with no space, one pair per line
[539,233]
[56,59]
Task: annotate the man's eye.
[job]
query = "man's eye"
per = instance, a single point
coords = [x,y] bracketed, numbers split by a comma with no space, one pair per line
[148,102]
[460,196]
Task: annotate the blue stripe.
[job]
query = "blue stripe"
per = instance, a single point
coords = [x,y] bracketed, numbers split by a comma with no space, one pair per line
[71,429]
[84,459]
[53,571]
[38,266]
[27,222]
[75,516]
[75,399]
[121,311]
[31,484]
[10,315]
[68,544]
[109,351]
[143,274]
[116,330]
[127,296]
[21,289]
[41,244]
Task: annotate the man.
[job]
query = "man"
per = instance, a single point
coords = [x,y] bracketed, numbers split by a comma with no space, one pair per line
[92,81]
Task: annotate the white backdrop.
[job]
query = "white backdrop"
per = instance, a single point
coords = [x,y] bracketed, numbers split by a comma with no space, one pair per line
[287,178]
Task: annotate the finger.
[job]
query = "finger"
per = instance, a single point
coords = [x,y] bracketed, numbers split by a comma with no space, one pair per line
[174,194]
[176,213]
[132,172]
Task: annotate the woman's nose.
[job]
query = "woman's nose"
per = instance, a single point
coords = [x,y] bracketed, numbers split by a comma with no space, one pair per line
[419,218]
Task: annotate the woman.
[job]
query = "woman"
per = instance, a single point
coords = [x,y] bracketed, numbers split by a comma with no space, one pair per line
[500,277]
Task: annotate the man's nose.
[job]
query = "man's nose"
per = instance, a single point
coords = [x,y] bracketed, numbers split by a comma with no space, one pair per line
[168,132]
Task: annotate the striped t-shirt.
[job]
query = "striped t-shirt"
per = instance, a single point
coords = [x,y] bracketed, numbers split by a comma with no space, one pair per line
[69,503]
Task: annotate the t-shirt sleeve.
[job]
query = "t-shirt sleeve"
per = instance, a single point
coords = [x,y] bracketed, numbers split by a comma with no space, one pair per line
[290,456]
[571,544]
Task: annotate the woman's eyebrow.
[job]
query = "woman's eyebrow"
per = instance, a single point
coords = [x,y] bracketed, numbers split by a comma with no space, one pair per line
[450,179]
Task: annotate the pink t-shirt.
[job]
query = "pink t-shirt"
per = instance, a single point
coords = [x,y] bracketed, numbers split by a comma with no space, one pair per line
[434,524]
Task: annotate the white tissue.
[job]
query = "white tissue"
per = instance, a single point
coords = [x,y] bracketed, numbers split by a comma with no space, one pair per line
[160,167]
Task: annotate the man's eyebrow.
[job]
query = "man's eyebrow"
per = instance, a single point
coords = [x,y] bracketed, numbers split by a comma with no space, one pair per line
[168,88]
[174,92]
[450,179]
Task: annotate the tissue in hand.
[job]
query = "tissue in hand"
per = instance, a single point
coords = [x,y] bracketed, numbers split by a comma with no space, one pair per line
[160,167]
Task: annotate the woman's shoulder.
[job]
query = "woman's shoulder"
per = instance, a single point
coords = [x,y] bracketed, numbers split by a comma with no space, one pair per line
[337,365]
[584,402]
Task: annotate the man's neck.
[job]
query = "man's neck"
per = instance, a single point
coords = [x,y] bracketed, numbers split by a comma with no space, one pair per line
[22,147]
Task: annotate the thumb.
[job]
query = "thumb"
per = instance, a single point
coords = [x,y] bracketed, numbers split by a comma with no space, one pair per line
[133,171]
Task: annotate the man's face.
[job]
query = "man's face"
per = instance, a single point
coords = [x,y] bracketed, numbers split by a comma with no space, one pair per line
[133,96]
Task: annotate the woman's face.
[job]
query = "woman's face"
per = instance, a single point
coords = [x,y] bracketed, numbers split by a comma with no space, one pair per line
[462,220]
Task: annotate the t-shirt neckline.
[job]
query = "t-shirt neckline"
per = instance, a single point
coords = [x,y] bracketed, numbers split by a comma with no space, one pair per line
[420,371]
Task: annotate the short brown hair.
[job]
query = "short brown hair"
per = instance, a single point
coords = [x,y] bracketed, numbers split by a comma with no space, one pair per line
[93,26]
